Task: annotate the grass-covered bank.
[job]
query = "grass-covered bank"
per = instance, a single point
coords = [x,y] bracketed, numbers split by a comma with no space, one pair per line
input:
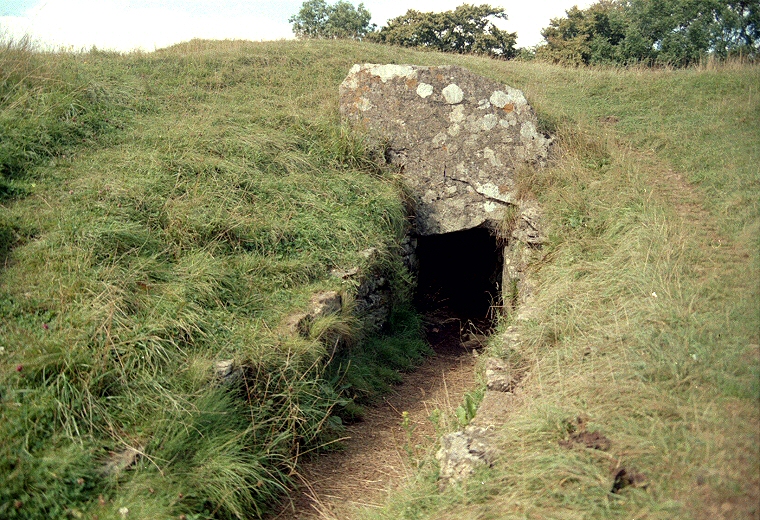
[165,211]
[648,298]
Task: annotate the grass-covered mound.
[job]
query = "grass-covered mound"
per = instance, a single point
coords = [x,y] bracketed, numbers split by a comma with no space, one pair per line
[162,212]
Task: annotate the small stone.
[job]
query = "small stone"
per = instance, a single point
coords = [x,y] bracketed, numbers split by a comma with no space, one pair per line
[462,452]
[298,323]
[528,230]
[228,371]
[325,303]
[499,376]
[322,304]
[344,274]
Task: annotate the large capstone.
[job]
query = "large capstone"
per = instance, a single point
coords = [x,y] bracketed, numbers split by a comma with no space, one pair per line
[457,137]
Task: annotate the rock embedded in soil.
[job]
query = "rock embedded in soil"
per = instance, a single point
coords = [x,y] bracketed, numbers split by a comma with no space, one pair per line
[228,371]
[499,376]
[528,228]
[462,452]
[322,304]
[458,138]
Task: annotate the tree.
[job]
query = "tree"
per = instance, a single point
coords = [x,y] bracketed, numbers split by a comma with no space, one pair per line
[738,28]
[317,19]
[681,32]
[467,29]
[585,36]
[672,32]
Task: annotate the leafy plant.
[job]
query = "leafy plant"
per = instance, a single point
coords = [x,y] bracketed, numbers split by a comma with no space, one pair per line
[467,29]
[466,411]
[318,19]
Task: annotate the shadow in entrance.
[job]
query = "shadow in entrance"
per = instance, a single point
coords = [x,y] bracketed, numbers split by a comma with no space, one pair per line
[458,285]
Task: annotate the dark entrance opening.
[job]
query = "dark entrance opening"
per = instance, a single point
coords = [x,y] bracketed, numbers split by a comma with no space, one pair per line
[459,279]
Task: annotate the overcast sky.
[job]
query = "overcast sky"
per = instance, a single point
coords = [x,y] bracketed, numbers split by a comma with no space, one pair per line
[150,24]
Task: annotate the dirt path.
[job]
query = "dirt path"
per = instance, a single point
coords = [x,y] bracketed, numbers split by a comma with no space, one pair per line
[379,453]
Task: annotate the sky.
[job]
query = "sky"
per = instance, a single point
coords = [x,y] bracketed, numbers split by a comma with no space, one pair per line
[124,25]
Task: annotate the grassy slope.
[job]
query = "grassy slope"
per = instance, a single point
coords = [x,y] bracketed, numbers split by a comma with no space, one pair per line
[148,252]
[672,380]
[137,257]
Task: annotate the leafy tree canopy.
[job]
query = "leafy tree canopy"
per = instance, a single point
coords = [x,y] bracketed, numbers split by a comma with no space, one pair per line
[317,19]
[585,35]
[674,32]
[467,29]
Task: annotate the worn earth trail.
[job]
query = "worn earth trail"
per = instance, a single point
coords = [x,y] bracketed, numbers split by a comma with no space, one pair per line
[382,450]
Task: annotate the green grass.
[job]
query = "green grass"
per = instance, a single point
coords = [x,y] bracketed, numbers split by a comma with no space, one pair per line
[673,379]
[162,212]
[135,257]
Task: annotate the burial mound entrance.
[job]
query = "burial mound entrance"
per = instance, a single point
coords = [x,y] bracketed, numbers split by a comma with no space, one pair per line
[459,141]
[458,282]
[459,274]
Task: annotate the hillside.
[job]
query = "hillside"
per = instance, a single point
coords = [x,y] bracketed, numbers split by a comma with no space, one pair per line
[163,212]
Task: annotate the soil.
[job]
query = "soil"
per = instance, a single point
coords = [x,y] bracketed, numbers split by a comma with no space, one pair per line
[592,440]
[380,453]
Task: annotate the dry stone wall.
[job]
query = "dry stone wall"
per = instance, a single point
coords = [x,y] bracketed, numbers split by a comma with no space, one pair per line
[458,138]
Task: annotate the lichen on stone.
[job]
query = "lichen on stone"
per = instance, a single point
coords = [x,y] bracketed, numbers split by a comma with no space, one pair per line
[455,136]
[453,94]
[424,90]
